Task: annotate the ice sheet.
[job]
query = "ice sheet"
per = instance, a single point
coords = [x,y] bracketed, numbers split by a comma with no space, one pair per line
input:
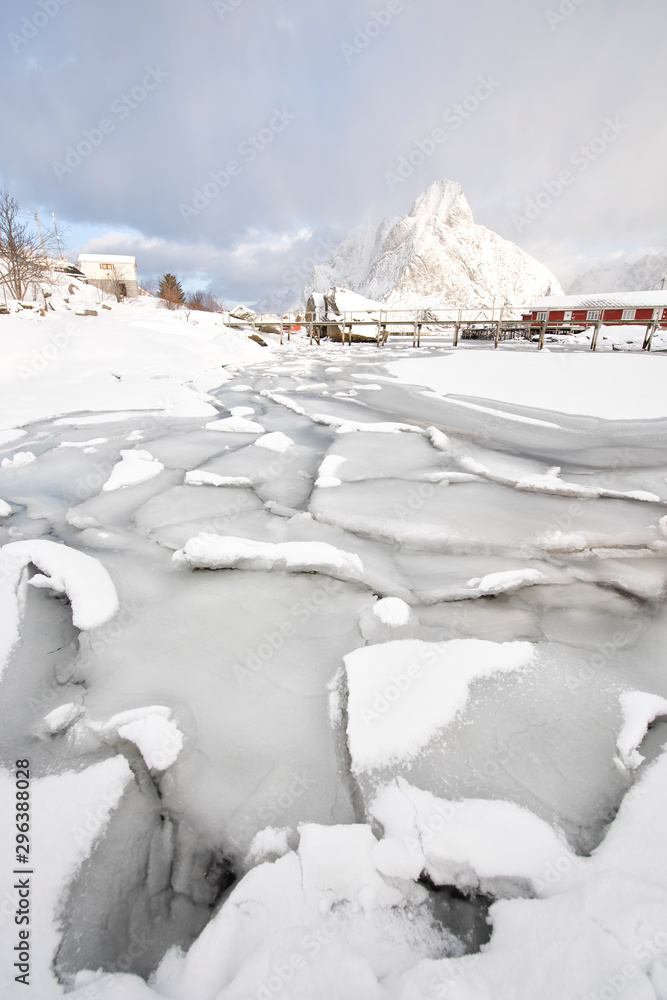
[376,525]
[215,552]
[82,578]
[613,387]
[402,693]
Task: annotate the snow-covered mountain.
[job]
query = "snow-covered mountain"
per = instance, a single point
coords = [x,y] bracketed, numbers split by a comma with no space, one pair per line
[637,272]
[436,255]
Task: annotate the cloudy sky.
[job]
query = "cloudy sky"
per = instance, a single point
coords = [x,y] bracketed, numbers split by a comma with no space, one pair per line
[228,140]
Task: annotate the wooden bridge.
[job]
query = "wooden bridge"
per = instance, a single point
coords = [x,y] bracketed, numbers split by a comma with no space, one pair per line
[462,324]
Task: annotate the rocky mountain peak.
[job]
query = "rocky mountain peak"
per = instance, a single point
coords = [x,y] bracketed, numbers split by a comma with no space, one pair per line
[434,256]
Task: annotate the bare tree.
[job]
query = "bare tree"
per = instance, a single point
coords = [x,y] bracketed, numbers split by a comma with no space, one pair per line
[148,285]
[23,255]
[204,302]
[115,285]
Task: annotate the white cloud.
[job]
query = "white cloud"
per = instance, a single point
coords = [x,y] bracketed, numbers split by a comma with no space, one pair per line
[229,270]
[269,243]
[352,122]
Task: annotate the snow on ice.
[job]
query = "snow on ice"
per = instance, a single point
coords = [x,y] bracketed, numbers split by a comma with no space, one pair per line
[607,386]
[640,709]
[214,552]
[64,570]
[401,693]
[135,467]
[361,696]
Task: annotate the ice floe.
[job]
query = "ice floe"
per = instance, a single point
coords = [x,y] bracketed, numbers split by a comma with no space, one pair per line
[640,709]
[136,467]
[401,693]
[224,552]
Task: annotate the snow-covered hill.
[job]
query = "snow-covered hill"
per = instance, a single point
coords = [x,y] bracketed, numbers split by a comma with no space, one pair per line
[637,272]
[78,349]
[436,255]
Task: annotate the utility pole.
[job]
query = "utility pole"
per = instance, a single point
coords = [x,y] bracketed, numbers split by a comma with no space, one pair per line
[55,230]
[40,231]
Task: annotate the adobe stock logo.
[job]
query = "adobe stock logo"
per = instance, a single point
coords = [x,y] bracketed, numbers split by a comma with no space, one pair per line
[555,187]
[218,181]
[566,9]
[363,36]
[223,7]
[31,26]
[122,107]
[453,117]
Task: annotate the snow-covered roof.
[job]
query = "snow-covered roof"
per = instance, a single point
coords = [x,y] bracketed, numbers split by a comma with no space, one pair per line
[604,300]
[106,258]
[347,301]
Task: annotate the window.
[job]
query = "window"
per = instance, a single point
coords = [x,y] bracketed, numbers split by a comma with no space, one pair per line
[106,267]
[542,317]
[567,316]
[629,314]
[592,315]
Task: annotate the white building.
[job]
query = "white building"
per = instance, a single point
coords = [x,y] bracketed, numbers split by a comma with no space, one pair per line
[111,272]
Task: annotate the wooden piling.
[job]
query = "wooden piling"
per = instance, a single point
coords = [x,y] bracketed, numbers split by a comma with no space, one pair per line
[596,334]
[646,336]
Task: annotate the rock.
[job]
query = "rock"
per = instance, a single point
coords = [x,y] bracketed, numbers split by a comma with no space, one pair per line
[270,323]
[331,306]
[242,312]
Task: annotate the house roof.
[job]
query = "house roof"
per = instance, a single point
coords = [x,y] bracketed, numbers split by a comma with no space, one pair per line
[105,258]
[604,300]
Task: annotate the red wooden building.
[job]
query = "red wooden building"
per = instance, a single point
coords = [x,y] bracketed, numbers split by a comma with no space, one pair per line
[577,312]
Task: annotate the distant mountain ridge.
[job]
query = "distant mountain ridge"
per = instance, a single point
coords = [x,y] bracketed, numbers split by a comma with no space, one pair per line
[642,271]
[435,255]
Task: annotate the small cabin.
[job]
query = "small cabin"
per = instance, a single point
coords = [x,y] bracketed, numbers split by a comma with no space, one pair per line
[576,312]
[112,273]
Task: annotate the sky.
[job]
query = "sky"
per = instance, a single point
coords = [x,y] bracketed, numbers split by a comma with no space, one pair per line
[233,142]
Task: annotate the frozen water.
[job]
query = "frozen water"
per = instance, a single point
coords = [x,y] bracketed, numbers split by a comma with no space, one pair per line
[135,467]
[490,846]
[405,668]
[639,711]
[212,552]
[237,424]
[401,694]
